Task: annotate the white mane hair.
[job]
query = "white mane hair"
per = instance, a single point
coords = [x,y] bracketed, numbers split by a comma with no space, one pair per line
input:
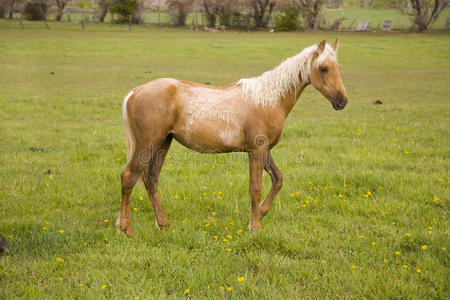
[268,88]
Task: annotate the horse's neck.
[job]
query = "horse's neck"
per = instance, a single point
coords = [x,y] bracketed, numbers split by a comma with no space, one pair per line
[288,101]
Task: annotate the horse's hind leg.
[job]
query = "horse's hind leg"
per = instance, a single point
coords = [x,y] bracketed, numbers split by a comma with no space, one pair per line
[277,182]
[151,178]
[129,177]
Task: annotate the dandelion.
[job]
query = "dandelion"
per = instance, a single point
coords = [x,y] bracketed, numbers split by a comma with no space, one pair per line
[291,194]
[173,230]
[385,260]
[106,220]
[406,152]
[353,267]
[75,164]
[240,279]
[380,187]
[186,291]
[228,249]
[440,179]
[230,183]
[436,199]
[59,259]
[61,231]
[60,278]
[204,194]
[239,232]
[137,298]
[424,247]
[397,252]
[229,289]
[408,234]
[207,225]
[315,278]
[229,236]
[80,285]
[213,213]
[374,243]
[405,266]
[104,287]
[215,237]
[225,240]
[135,209]
[141,198]
[443,248]
[419,271]
[340,195]
[44,228]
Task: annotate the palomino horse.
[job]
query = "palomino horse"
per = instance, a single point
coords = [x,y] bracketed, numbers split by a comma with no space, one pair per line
[247,116]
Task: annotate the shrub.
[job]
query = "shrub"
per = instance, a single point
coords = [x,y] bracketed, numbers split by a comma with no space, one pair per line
[287,19]
[124,8]
[35,10]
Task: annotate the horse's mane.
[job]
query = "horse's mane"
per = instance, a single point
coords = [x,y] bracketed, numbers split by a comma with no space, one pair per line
[268,88]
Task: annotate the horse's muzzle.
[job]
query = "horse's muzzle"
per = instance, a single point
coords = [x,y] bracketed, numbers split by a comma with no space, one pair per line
[339,103]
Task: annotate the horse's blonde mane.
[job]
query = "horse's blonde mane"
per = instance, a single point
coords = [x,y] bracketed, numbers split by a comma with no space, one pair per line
[268,88]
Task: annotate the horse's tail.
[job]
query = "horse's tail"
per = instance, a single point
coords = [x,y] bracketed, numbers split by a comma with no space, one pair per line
[129,137]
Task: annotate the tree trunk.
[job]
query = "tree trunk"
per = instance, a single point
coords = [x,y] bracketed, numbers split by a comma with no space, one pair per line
[11,8]
[103,13]
[60,5]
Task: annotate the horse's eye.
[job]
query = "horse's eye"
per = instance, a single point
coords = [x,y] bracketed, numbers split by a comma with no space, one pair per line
[323,70]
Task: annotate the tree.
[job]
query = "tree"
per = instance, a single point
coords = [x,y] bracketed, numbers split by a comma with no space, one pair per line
[212,9]
[60,4]
[310,10]
[262,11]
[179,10]
[423,12]
[2,9]
[103,6]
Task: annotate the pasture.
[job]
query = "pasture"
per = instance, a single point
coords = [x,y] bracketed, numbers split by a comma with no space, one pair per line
[363,212]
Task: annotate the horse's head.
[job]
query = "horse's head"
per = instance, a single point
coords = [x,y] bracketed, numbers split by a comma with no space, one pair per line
[325,74]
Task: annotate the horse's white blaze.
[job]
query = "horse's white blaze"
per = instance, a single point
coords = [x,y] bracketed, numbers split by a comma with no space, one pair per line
[268,88]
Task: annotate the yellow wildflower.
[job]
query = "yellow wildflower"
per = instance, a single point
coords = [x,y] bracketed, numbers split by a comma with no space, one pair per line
[239,231]
[408,234]
[419,271]
[374,243]
[213,213]
[186,291]
[106,220]
[80,285]
[424,247]
[397,252]
[60,259]
[61,231]
[353,267]
[135,208]
[229,289]
[240,279]
[405,266]
[44,228]
[60,278]
[104,287]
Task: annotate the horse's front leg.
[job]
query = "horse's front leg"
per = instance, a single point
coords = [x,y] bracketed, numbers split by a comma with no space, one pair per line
[277,182]
[257,160]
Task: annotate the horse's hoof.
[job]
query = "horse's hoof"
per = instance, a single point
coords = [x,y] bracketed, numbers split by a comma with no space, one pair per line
[127,231]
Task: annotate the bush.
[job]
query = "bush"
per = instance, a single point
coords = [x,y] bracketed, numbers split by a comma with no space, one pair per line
[124,8]
[287,19]
[35,10]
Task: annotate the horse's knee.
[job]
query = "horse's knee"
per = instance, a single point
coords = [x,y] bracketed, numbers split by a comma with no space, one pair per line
[278,181]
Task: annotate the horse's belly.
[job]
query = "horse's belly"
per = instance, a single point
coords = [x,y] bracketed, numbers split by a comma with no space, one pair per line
[210,136]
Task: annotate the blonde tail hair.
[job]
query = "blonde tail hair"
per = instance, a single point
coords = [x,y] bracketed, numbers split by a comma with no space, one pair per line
[129,138]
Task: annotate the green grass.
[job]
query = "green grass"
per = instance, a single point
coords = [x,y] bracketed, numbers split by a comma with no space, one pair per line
[321,223]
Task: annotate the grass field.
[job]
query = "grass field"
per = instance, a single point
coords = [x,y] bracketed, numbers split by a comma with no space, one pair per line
[364,208]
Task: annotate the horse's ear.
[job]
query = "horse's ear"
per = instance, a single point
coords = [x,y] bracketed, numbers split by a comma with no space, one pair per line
[335,45]
[321,46]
